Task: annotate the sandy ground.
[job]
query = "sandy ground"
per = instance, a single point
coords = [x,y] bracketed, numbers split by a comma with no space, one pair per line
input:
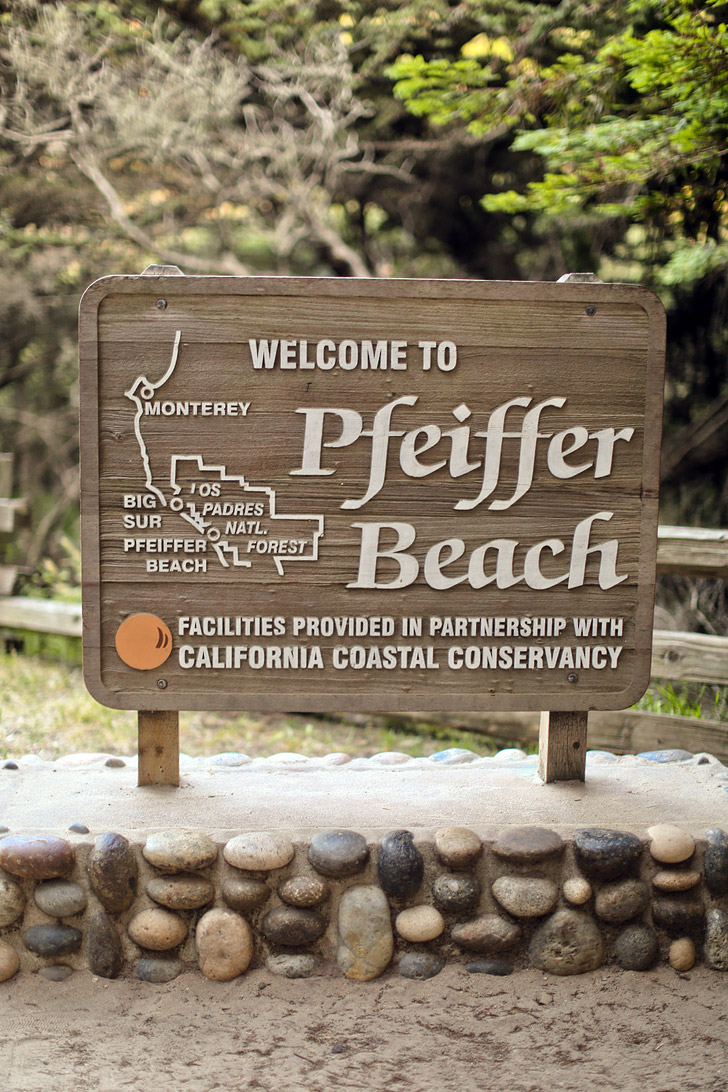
[610,1030]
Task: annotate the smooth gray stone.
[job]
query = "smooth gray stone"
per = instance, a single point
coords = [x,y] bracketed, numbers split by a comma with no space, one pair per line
[149,969]
[567,943]
[525,845]
[716,861]
[715,947]
[456,892]
[104,950]
[292,964]
[113,872]
[115,763]
[52,940]
[292,926]
[525,896]
[78,828]
[606,854]
[636,948]
[621,900]
[489,966]
[420,965]
[57,972]
[399,864]
[338,852]
[179,850]
[60,898]
[186,891]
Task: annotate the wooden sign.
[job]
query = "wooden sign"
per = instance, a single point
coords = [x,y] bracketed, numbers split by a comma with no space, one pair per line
[331,494]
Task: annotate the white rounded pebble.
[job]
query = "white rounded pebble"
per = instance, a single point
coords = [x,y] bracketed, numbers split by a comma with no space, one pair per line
[389,758]
[258,851]
[670,844]
[420,923]
[577,891]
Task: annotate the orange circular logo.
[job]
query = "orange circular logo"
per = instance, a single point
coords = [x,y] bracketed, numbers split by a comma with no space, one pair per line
[143,641]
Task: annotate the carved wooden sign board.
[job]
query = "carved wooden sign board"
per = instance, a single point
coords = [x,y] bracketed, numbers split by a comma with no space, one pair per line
[331,494]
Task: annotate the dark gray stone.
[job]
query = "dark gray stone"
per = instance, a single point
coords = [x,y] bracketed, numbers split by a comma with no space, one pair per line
[567,943]
[103,946]
[496,967]
[455,892]
[57,972]
[338,852]
[115,763]
[621,900]
[716,861]
[149,969]
[420,965]
[525,845]
[606,854]
[52,940]
[113,872]
[715,948]
[678,915]
[292,926]
[636,948]
[244,892]
[399,864]
[487,933]
[10,765]
[78,828]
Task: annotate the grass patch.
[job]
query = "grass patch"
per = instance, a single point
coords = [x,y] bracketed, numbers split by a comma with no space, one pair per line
[46,710]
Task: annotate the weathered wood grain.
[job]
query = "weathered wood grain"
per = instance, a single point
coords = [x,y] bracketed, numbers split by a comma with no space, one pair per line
[158,748]
[41,615]
[598,347]
[690,657]
[562,746]
[692,551]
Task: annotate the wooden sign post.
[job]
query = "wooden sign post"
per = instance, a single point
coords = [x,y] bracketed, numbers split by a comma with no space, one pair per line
[327,494]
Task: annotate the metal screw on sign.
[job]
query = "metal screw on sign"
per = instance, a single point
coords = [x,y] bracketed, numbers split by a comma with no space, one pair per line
[162,684]
[161,304]
[590,310]
[572,677]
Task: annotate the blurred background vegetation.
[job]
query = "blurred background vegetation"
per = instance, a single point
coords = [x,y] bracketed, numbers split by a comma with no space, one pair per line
[478,139]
